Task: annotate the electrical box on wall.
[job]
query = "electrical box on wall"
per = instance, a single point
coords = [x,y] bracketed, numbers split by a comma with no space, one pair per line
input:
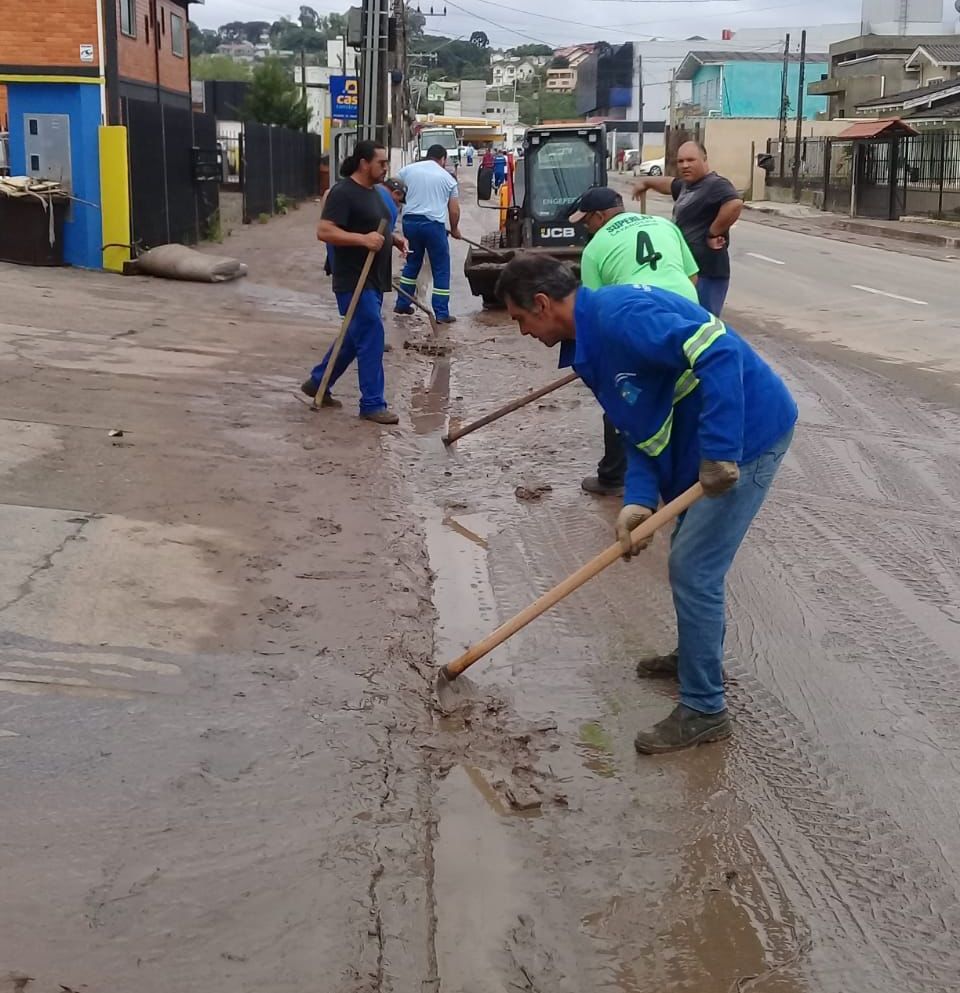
[47,144]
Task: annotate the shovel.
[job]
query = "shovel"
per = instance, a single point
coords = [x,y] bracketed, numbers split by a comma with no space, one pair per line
[451,436]
[449,693]
[434,327]
[503,253]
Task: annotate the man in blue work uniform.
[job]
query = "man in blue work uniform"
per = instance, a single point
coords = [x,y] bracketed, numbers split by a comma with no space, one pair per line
[431,204]
[352,213]
[692,400]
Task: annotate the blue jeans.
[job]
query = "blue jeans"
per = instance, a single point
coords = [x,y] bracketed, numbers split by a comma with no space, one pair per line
[702,550]
[364,342]
[712,293]
[428,237]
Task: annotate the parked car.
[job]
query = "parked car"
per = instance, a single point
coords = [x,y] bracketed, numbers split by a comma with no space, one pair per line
[630,159]
[651,167]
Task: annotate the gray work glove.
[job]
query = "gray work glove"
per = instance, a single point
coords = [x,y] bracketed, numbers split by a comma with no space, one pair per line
[718,477]
[632,515]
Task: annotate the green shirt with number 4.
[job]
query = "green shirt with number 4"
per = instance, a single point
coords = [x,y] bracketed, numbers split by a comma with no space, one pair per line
[633,249]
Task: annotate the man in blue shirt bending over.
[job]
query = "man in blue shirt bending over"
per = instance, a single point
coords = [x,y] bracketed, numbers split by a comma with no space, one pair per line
[692,400]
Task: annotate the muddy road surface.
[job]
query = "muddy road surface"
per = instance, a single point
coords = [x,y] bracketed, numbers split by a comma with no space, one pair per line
[221,763]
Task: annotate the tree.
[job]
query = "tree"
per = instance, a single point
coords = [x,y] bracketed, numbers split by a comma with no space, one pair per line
[416,22]
[202,42]
[275,99]
[560,63]
[309,19]
[253,31]
[480,39]
[233,32]
[220,67]
[522,50]
[335,26]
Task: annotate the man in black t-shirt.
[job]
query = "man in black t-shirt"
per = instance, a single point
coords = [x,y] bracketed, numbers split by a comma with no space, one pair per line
[706,206]
[352,213]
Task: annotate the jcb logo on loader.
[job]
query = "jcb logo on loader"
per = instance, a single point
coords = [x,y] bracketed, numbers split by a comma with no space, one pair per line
[557,233]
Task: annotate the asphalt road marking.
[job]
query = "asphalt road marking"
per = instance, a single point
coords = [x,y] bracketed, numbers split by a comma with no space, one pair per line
[893,296]
[765,258]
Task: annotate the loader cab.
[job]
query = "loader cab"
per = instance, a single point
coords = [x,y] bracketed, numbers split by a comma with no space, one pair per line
[559,164]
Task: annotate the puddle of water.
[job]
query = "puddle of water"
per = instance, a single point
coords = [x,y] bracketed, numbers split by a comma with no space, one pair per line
[429,401]
[462,595]
[476,873]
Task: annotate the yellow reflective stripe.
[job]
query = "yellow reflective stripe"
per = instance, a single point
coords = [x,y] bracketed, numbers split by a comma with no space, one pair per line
[706,335]
[654,445]
[441,293]
[685,385]
[408,281]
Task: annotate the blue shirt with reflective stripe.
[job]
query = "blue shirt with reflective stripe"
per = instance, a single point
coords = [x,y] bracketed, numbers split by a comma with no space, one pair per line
[677,383]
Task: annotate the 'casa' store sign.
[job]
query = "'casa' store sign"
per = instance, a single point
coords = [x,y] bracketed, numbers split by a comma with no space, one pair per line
[344,98]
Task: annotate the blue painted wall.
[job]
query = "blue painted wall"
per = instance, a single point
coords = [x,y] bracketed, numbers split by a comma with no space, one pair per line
[82,238]
[752,89]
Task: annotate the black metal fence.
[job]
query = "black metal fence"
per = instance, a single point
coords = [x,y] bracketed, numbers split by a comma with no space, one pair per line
[174,195]
[278,164]
[915,174]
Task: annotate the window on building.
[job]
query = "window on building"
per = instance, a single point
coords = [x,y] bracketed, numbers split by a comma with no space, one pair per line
[177,36]
[128,20]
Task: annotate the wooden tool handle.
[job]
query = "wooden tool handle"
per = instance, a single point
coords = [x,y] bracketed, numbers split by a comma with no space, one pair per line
[507,408]
[664,515]
[483,248]
[347,318]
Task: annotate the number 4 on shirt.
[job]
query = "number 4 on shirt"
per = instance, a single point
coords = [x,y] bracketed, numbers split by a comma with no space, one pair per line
[646,254]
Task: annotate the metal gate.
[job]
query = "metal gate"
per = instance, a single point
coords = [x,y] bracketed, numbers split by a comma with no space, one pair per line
[174,173]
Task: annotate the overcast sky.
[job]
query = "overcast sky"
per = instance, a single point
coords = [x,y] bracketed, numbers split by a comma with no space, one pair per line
[549,21]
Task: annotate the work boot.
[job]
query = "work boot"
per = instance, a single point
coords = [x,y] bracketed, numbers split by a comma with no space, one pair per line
[447,320]
[384,416]
[684,728]
[310,388]
[658,666]
[601,487]
[403,311]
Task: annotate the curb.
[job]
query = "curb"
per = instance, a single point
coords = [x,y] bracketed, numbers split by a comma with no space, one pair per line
[900,234]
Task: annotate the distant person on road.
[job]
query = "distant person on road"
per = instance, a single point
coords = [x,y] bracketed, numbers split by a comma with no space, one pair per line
[487,161]
[706,208]
[627,249]
[471,152]
[431,205]
[351,215]
[729,426]
[499,170]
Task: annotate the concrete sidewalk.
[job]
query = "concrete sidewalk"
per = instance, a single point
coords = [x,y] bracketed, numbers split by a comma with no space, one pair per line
[916,230]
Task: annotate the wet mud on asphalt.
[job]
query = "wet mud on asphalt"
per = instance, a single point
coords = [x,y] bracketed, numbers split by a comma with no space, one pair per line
[815,851]
[279,805]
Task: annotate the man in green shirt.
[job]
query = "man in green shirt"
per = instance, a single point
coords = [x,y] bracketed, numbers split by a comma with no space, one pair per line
[628,249]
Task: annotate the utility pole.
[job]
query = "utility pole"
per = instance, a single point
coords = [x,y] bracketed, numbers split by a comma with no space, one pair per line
[398,137]
[374,96]
[783,105]
[796,150]
[673,98]
[303,82]
[639,107]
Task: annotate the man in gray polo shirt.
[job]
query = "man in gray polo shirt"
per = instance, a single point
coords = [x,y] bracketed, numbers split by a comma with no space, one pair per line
[706,206]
